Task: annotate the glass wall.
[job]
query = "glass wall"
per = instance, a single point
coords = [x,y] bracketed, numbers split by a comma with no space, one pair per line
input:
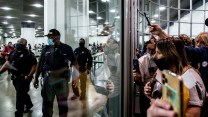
[98,22]
[176,16]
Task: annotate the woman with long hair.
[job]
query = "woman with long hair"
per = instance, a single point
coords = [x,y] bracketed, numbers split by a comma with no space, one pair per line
[170,55]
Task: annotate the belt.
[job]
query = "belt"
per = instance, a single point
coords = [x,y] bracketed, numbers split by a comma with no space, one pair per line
[57,73]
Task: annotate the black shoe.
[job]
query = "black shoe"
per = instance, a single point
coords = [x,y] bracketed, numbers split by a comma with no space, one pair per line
[28,109]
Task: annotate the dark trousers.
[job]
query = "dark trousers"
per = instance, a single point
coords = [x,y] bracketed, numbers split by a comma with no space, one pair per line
[144,104]
[22,87]
[55,87]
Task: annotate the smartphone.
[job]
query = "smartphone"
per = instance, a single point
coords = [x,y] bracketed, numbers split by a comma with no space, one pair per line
[175,92]
[136,64]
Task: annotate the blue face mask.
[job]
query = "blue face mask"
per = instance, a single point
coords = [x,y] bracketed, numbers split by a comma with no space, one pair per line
[50,42]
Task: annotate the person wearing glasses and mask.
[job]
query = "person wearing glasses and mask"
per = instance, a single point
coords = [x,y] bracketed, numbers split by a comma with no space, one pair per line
[54,66]
[21,63]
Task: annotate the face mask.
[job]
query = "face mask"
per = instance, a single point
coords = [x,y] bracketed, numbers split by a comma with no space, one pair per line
[19,47]
[81,45]
[50,42]
[160,64]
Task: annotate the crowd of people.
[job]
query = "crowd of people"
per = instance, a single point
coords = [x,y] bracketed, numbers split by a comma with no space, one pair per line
[182,56]
[96,48]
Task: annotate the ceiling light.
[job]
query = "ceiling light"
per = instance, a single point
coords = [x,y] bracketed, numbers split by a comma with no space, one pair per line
[156,15]
[29,21]
[106,23]
[92,26]
[99,18]
[153,21]
[112,10]
[91,12]
[5,34]
[32,15]
[117,17]
[37,5]
[12,29]
[9,17]
[5,22]
[39,28]
[5,8]
[162,8]
[92,22]
[105,0]
[10,26]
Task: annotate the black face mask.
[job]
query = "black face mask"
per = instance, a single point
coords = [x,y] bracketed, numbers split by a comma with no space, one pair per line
[81,45]
[161,64]
[19,47]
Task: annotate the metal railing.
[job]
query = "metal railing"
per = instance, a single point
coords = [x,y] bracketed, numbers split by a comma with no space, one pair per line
[98,60]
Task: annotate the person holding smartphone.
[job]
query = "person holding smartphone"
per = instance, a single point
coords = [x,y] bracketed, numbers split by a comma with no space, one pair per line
[170,55]
[144,73]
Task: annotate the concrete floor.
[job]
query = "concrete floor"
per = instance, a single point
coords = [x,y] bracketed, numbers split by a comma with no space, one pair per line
[77,108]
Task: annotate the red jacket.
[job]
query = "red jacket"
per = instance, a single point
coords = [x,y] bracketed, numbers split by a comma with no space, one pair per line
[6,51]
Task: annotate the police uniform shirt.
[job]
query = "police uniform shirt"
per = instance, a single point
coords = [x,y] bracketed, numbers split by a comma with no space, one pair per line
[83,57]
[22,61]
[56,57]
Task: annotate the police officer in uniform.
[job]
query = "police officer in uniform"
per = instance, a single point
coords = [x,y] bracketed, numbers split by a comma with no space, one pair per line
[22,65]
[84,60]
[53,64]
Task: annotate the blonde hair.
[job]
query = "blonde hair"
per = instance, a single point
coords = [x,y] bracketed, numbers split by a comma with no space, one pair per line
[203,37]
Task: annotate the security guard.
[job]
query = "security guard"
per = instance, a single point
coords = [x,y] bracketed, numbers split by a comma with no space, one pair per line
[22,64]
[84,60]
[53,65]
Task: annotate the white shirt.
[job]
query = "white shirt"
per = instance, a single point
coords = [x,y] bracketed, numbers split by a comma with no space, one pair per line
[145,62]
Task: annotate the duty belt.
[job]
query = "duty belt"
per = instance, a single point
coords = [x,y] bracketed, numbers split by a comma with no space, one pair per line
[63,72]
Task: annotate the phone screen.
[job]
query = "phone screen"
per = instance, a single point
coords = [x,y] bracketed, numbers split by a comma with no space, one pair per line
[136,64]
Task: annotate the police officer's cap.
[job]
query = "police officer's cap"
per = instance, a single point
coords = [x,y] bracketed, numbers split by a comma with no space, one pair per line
[53,32]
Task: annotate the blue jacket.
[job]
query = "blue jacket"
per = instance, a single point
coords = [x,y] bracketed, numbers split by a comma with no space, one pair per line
[199,55]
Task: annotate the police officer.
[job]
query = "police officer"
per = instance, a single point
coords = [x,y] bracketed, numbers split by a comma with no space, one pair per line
[84,60]
[53,65]
[22,65]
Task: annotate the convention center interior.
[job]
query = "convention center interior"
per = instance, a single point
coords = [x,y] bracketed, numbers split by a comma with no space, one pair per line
[103,58]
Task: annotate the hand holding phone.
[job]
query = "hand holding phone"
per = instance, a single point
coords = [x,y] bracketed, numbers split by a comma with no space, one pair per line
[175,92]
[136,64]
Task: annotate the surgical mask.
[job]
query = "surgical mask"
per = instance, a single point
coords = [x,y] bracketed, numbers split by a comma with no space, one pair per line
[161,63]
[19,47]
[50,41]
[81,45]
